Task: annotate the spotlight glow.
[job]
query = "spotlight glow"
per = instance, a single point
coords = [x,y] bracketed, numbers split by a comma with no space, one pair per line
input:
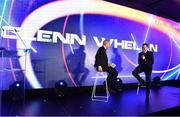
[17,85]
[61,83]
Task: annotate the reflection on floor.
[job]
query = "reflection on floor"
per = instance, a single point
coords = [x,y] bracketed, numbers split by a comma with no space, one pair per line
[124,103]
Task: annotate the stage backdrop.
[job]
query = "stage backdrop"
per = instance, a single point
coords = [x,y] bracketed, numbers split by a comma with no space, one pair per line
[58,40]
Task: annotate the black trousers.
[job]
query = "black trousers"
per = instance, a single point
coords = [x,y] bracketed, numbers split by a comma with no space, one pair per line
[112,75]
[147,71]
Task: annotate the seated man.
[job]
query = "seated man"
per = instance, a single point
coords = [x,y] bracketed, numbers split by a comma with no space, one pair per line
[101,64]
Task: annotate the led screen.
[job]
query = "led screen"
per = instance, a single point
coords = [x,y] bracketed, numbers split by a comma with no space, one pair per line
[47,41]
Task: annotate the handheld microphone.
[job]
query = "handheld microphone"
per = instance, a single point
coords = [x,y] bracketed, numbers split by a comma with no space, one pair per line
[143,56]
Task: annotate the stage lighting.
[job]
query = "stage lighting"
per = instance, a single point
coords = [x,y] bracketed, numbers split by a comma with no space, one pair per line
[17,85]
[61,84]
[118,79]
[16,91]
[156,81]
[60,88]
[118,84]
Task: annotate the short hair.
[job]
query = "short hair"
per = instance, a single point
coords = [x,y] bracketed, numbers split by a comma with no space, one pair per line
[145,44]
[105,41]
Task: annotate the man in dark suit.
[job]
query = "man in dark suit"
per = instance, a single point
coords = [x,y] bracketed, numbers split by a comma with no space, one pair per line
[145,61]
[101,64]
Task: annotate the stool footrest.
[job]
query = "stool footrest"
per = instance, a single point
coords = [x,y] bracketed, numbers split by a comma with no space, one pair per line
[100,96]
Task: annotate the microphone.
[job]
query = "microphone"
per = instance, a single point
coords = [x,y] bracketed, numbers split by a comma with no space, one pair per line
[143,56]
[15,30]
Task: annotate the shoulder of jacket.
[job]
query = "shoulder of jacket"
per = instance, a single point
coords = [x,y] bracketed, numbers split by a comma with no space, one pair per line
[150,52]
[102,48]
[140,53]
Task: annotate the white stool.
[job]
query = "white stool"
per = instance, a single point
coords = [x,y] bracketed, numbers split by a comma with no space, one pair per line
[95,97]
[138,88]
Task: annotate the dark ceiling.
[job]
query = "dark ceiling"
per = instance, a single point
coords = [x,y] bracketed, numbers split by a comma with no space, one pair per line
[166,8]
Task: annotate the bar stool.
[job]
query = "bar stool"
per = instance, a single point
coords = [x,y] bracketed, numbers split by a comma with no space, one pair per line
[138,88]
[94,96]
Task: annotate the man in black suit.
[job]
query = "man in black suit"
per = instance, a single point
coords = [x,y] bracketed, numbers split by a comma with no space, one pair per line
[101,64]
[145,61]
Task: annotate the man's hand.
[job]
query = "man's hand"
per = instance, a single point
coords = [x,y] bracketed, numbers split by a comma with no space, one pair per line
[100,69]
[111,65]
[143,57]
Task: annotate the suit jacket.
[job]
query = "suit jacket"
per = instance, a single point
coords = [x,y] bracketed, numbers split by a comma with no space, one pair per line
[148,63]
[101,58]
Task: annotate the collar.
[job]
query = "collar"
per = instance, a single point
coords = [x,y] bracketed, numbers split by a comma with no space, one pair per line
[146,52]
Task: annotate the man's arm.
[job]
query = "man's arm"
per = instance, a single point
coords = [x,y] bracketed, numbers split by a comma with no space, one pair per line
[140,61]
[99,58]
[150,59]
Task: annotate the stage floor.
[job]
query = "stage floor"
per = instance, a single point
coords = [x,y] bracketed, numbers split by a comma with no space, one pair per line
[125,103]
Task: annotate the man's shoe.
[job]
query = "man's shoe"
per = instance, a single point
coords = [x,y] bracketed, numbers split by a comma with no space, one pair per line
[147,99]
[111,90]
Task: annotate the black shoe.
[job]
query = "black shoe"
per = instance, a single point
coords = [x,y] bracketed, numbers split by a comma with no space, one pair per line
[111,90]
[147,99]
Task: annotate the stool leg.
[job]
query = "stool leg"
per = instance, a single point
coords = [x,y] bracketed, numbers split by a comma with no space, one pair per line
[138,89]
[107,91]
[150,93]
[101,98]
[94,90]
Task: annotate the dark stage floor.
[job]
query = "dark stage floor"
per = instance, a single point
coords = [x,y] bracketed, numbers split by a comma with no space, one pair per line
[123,103]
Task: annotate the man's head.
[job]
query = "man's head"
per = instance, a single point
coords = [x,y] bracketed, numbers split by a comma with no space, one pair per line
[145,47]
[106,43]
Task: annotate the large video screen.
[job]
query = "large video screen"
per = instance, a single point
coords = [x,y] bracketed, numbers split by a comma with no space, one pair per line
[46,41]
